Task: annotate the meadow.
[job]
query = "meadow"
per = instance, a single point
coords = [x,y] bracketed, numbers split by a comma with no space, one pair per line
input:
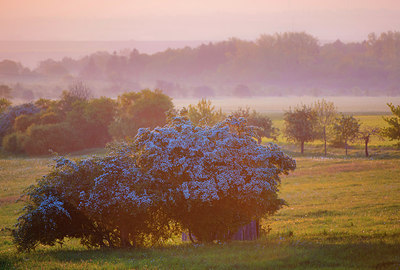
[343,213]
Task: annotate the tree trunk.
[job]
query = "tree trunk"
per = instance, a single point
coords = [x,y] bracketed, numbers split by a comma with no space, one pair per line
[302,147]
[325,139]
[190,236]
[345,145]
[366,146]
[124,233]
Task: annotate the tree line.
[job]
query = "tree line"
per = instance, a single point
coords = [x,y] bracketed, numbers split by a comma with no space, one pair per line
[78,121]
[289,63]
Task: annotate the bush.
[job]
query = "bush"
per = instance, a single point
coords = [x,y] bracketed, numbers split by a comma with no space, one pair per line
[40,139]
[101,201]
[13,143]
[215,179]
[50,118]
[51,215]
[8,117]
[22,122]
[210,181]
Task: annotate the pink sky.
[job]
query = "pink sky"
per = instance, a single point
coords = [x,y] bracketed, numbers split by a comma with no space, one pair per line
[193,20]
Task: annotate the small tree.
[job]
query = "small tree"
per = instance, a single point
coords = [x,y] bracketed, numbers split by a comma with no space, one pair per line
[325,115]
[204,113]
[365,133]
[346,128]
[216,179]
[393,130]
[300,125]
[263,124]
[144,109]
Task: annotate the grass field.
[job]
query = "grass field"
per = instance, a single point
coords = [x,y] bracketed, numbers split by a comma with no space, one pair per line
[343,213]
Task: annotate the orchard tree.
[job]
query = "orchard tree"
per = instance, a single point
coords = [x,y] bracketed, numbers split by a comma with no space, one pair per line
[346,129]
[326,113]
[300,125]
[393,130]
[365,134]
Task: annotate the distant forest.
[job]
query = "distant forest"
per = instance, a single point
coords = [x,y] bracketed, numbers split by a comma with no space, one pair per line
[273,65]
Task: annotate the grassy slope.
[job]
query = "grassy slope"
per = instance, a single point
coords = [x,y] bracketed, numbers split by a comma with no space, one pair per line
[342,214]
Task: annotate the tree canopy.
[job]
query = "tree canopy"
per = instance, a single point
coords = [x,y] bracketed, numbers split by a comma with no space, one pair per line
[347,129]
[393,130]
[300,124]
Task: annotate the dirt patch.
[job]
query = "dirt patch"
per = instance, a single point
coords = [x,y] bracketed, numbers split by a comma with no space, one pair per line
[9,199]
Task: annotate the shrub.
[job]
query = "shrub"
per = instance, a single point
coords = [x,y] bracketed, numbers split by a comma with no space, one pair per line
[50,118]
[13,143]
[215,179]
[40,139]
[209,181]
[22,122]
[7,118]
[102,201]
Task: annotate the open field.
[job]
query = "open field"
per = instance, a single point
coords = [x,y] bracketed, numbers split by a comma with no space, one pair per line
[347,104]
[341,214]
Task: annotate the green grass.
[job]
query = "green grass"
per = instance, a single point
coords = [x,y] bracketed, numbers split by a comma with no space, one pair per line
[341,214]
[378,147]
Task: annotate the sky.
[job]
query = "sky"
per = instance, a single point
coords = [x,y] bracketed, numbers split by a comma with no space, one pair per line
[110,20]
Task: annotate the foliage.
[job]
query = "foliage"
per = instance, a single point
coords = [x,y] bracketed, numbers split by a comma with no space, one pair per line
[8,117]
[78,92]
[326,113]
[206,190]
[137,110]
[346,129]
[204,113]
[208,180]
[393,130]
[14,142]
[42,139]
[4,104]
[315,68]
[300,125]
[23,121]
[263,124]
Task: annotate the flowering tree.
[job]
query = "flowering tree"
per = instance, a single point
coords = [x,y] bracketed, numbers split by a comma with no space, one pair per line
[209,180]
[214,180]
